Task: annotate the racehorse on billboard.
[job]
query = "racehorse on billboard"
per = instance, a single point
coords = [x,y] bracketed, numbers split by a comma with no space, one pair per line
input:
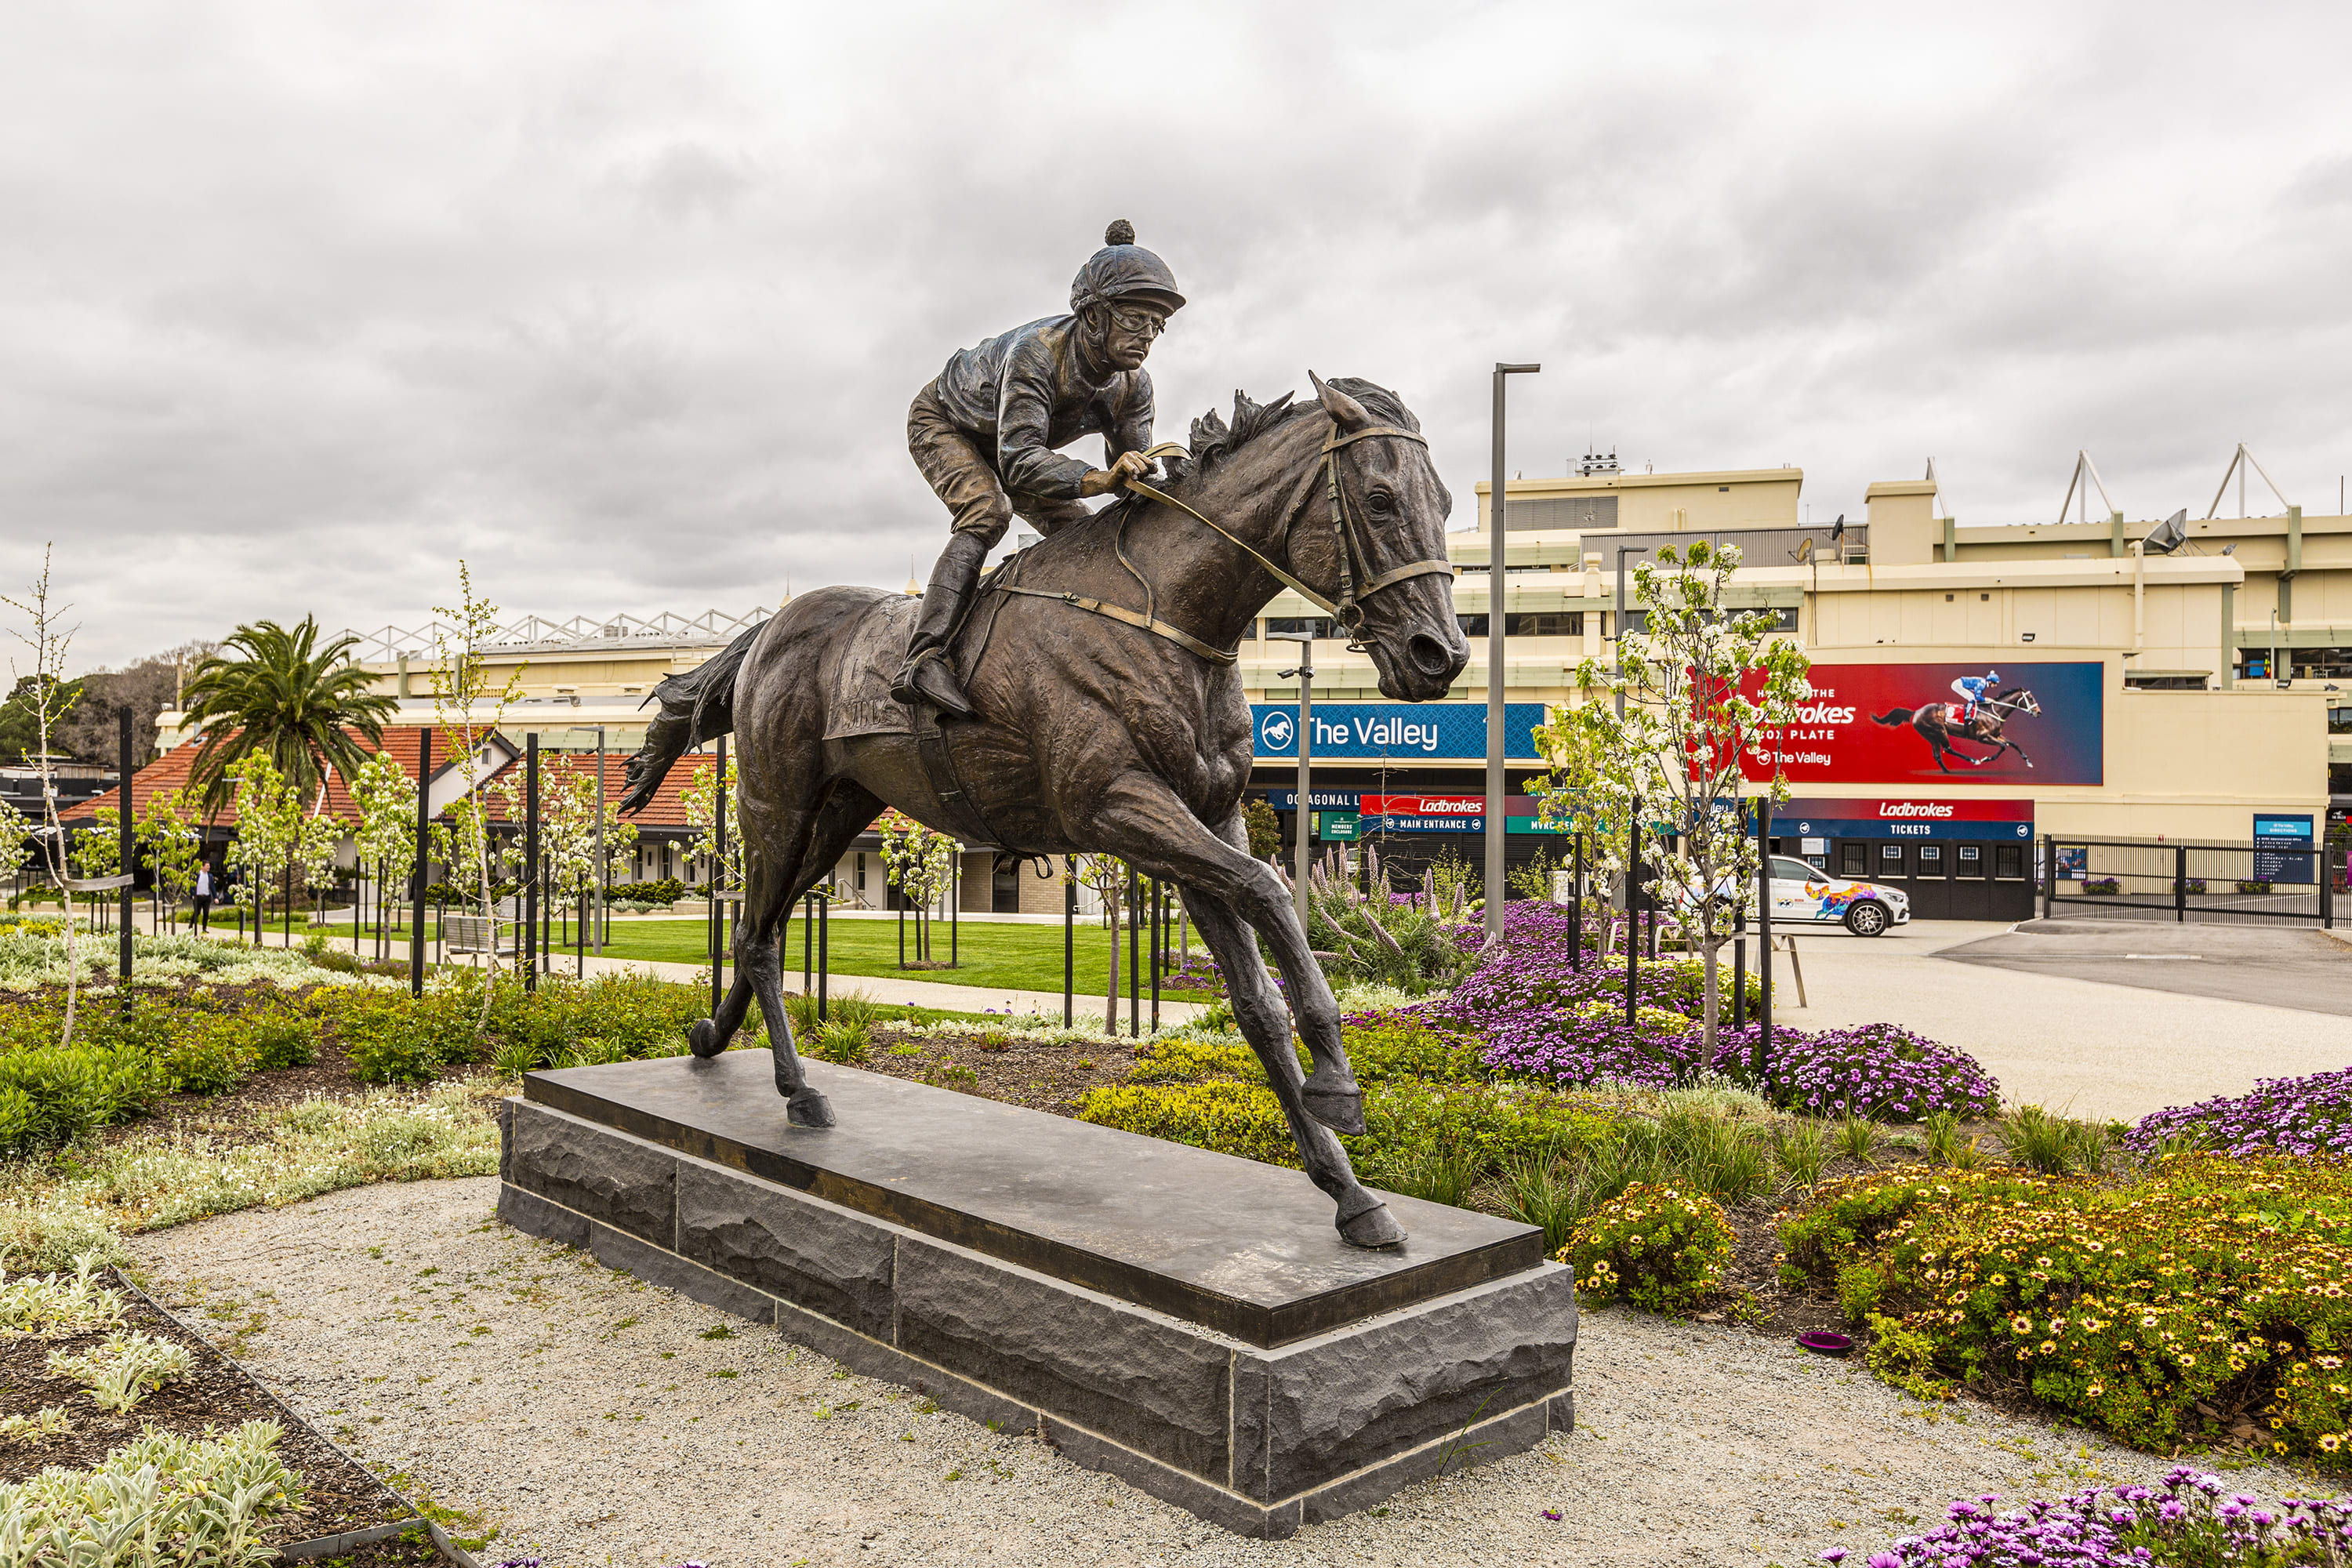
[1980,722]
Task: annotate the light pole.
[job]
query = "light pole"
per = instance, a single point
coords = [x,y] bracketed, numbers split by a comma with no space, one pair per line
[1495,572]
[1623,550]
[1305,673]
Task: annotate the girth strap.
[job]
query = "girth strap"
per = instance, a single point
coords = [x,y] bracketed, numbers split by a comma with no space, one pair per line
[1176,635]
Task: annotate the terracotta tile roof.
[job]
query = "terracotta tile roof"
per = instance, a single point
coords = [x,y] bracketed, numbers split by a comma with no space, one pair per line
[171,771]
[665,812]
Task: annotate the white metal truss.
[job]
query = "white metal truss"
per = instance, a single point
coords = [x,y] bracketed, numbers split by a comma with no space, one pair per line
[2085,469]
[2239,461]
[389,643]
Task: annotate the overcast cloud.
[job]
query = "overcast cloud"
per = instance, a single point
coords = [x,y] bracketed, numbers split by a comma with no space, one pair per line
[623,303]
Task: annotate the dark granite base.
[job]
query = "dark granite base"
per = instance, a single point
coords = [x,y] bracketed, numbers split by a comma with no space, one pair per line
[1255,1438]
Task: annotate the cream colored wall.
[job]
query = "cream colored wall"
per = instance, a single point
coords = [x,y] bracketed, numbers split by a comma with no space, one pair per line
[2182,627]
[1650,502]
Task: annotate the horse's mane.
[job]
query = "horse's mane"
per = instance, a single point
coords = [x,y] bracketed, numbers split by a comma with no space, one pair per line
[1213,440]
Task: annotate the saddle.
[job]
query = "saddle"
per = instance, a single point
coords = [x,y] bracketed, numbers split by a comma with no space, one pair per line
[861,705]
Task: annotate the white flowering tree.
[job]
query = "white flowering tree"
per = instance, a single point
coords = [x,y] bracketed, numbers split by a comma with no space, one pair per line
[269,829]
[172,844]
[468,711]
[15,833]
[920,863]
[1105,875]
[700,800]
[1702,685]
[315,843]
[385,798]
[98,852]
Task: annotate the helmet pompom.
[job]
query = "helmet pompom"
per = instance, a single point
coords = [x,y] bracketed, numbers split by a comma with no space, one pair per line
[1120,232]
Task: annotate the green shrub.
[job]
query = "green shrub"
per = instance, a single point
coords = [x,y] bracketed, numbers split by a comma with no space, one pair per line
[1905,1358]
[1410,1127]
[1662,1249]
[1398,1043]
[2203,1284]
[1229,1118]
[1183,1060]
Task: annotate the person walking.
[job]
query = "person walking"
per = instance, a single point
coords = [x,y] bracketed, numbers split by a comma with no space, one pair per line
[202,919]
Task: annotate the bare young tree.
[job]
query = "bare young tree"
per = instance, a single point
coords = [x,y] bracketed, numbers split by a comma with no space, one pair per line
[47,641]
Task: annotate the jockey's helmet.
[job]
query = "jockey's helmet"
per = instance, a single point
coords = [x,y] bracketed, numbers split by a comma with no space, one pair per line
[1123,270]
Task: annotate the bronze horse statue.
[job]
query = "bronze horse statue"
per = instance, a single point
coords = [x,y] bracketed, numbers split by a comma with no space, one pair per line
[1934,724]
[1110,717]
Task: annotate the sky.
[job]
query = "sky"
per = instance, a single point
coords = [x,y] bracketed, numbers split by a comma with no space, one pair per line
[623,303]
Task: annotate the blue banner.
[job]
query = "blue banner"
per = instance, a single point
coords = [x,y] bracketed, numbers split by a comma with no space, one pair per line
[1402,732]
[1788,822]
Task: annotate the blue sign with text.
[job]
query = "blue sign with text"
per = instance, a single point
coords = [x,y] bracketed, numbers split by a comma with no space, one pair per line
[1403,732]
[2272,833]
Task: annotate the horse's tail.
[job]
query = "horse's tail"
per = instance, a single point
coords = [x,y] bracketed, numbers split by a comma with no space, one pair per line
[1898,716]
[697,706]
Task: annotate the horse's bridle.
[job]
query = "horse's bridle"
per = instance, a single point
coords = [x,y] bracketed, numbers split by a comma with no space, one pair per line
[1349,608]
[1352,548]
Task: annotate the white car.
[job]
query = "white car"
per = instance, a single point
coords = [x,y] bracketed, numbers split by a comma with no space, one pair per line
[1807,893]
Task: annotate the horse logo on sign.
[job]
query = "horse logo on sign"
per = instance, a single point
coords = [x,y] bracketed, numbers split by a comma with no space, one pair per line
[1277,730]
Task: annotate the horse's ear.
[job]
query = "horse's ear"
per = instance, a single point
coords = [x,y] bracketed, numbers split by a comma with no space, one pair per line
[1344,410]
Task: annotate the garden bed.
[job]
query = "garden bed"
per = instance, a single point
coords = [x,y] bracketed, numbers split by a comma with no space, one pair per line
[337,1496]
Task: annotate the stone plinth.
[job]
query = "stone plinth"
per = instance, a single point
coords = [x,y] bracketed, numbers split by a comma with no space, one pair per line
[1187,1320]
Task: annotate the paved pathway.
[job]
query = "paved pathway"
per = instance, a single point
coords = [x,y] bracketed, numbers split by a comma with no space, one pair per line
[2055,1035]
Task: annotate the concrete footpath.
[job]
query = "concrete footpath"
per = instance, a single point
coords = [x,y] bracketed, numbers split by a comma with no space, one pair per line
[2056,1036]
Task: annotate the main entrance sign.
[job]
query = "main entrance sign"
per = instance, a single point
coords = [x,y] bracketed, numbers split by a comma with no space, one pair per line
[1406,732]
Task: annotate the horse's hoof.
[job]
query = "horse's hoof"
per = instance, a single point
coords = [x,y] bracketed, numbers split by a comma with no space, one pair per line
[1341,1110]
[703,1039]
[807,1108]
[1375,1227]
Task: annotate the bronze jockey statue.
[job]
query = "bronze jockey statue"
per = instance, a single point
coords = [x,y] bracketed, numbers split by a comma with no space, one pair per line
[984,433]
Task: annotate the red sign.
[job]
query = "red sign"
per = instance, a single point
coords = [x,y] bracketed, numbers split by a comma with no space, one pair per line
[1908,810]
[1424,805]
[1947,723]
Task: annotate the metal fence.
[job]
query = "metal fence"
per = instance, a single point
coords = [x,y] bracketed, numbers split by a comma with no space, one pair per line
[2219,884]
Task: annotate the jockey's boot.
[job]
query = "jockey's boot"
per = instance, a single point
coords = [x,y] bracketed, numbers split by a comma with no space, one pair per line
[928,675]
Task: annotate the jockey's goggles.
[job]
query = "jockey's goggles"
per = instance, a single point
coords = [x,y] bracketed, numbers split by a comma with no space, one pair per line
[1138,318]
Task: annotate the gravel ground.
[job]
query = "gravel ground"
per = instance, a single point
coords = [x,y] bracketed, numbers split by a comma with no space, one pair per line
[595,1420]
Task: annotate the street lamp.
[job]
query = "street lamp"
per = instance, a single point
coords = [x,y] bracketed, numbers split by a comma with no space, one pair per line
[1495,574]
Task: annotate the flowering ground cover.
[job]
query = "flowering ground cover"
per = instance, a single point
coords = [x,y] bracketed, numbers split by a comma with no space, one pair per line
[2191,1522]
[2199,1298]
[2310,1115]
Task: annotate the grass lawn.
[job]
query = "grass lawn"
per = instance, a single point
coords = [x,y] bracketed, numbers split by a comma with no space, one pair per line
[1016,957]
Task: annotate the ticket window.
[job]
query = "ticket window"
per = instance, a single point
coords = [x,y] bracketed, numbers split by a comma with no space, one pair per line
[1890,861]
[1853,859]
[1816,853]
[1933,862]
[1972,860]
[2009,862]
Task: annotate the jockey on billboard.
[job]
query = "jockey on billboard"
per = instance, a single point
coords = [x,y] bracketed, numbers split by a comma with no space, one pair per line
[1972,688]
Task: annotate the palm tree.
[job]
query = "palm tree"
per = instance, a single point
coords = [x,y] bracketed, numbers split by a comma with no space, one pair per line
[273,690]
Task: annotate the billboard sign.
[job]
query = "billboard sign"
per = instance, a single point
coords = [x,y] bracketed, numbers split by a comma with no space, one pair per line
[1402,731]
[1901,723]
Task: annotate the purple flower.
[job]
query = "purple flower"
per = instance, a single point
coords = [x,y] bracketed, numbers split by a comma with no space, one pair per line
[2301,1116]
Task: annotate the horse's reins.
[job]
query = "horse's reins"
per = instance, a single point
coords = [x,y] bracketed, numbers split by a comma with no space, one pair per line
[1348,609]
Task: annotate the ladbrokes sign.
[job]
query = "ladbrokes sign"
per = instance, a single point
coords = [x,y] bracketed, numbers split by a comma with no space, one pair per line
[1953,723]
